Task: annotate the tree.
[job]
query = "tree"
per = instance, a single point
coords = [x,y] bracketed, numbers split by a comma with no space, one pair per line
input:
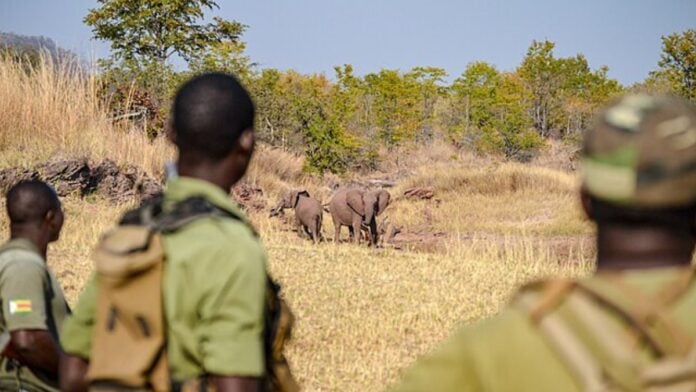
[144,31]
[145,35]
[395,108]
[495,111]
[430,80]
[540,71]
[476,92]
[678,63]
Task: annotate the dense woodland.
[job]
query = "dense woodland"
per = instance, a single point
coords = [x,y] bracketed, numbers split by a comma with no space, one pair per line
[345,120]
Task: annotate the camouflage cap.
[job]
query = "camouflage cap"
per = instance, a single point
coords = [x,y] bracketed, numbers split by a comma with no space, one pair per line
[642,152]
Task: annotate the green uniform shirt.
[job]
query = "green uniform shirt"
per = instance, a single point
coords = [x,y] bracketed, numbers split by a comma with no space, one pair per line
[32,299]
[508,353]
[214,288]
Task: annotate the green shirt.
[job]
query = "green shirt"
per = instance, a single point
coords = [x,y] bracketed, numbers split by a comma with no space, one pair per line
[31,298]
[213,289]
[508,353]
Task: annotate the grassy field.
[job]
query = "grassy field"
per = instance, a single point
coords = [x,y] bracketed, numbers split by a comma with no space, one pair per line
[362,314]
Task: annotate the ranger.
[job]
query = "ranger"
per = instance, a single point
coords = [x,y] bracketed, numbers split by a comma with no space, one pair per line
[213,283]
[631,326]
[33,305]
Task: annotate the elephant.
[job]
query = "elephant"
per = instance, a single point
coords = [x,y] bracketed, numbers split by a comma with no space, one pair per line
[357,208]
[387,231]
[308,213]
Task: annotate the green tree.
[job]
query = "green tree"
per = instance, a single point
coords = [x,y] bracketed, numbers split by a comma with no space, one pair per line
[678,63]
[224,56]
[153,30]
[475,90]
[394,106]
[430,81]
[540,71]
[495,110]
[144,35]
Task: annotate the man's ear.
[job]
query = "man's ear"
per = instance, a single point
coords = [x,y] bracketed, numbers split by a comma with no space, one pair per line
[246,140]
[169,131]
[586,202]
[49,217]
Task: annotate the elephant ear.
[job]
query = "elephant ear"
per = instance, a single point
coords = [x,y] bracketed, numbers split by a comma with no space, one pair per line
[383,200]
[354,198]
[296,197]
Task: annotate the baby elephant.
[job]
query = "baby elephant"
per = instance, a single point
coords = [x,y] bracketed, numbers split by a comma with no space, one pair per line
[308,213]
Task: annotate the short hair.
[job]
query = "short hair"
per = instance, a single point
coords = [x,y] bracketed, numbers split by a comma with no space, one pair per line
[209,114]
[29,201]
[671,218]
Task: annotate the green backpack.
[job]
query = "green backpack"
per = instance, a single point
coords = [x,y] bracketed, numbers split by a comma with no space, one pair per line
[603,356]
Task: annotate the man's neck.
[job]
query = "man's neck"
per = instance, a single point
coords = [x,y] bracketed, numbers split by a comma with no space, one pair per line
[211,173]
[622,247]
[33,236]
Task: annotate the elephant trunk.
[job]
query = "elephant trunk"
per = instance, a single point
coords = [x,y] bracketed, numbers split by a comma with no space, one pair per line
[369,221]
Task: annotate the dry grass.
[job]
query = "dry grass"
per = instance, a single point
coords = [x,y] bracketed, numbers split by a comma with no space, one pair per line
[54,110]
[363,314]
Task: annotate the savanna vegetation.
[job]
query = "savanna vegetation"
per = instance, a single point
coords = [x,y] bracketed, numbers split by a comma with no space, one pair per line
[363,314]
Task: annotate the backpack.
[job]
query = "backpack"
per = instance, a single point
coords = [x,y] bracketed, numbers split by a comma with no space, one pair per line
[129,341]
[602,357]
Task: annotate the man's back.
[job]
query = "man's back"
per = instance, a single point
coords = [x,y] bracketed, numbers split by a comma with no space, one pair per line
[511,352]
[213,290]
[31,300]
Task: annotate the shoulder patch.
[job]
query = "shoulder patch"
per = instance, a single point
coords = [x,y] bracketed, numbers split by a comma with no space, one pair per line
[19,306]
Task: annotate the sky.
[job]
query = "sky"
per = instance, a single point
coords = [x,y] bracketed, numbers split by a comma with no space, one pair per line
[316,35]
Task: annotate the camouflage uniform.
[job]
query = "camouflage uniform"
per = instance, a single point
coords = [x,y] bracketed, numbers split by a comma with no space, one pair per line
[630,330]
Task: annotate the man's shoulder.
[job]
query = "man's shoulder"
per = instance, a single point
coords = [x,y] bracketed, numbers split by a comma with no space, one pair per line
[215,231]
[216,240]
[19,257]
[511,325]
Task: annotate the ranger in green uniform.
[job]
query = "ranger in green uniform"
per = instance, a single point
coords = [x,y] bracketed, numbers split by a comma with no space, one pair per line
[631,326]
[33,306]
[214,278]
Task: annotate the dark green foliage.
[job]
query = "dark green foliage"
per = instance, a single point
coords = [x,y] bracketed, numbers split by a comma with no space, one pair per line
[677,65]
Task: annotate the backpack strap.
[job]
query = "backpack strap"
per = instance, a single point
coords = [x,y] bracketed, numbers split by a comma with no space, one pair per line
[151,214]
[593,347]
[647,314]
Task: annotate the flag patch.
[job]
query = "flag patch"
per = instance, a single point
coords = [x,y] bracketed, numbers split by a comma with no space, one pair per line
[20,306]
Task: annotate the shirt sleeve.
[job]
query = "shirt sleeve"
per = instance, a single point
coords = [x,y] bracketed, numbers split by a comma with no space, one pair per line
[76,335]
[23,295]
[230,331]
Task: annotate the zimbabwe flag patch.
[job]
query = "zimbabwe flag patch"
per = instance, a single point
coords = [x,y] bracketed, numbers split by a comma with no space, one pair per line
[18,306]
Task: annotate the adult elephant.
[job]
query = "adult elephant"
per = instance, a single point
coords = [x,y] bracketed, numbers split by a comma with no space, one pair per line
[356,208]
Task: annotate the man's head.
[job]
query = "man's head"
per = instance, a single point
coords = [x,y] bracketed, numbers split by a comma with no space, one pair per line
[33,205]
[639,165]
[212,125]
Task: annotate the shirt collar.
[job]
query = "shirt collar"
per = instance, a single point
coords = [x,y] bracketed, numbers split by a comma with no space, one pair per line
[22,243]
[182,188]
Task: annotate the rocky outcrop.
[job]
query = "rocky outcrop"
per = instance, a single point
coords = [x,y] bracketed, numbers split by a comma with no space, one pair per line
[80,177]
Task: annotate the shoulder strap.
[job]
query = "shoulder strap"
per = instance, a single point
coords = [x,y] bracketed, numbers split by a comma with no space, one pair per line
[590,344]
[647,314]
[151,214]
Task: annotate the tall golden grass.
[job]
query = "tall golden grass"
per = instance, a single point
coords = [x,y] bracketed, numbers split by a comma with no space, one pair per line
[54,109]
[362,314]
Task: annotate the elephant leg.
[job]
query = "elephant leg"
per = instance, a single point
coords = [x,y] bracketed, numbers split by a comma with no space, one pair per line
[357,223]
[374,236]
[313,233]
[298,227]
[337,229]
[351,233]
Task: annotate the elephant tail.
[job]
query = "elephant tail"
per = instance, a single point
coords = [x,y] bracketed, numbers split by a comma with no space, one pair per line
[326,207]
